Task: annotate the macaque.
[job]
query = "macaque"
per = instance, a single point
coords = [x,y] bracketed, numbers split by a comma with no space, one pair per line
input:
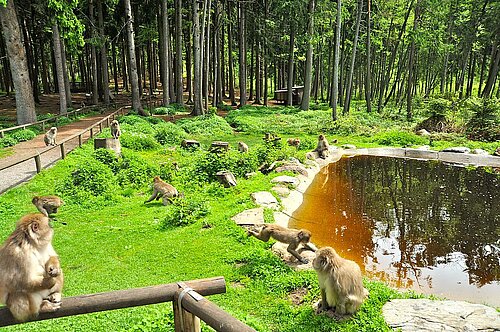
[25,283]
[292,237]
[164,190]
[47,204]
[322,147]
[242,147]
[115,129]
[294,142]
[340,282]
[50,136]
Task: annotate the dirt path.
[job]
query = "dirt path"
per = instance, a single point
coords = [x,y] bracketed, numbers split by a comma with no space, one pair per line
[24,171]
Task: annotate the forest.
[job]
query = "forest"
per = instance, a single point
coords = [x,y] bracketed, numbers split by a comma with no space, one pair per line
[388,54]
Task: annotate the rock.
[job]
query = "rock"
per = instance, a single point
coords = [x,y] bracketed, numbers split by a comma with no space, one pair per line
[226,178]
[348,146]
[280,249]
[265,199]
[423,132]
[497,152]
[250,217]
[480,151]
[281,190]
[219,146]
[249,175]
[292,167]
[429,315]
[109,144]
[424,148]
[286,180]
[457,149]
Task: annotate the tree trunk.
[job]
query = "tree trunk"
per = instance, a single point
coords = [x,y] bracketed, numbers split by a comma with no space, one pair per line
[67,88]
[104,53]
[411,63]
[493,72]
[93,55]
[59,69]
[368,89]
[165,67]
[242,55]
[25,103]
[197,93]
[348,92]
[335,87]
[206,54]
[230,55]
[134,79]
[309,57]
[289,98]
[178,53]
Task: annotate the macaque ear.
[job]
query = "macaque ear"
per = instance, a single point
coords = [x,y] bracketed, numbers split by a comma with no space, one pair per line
[35,226]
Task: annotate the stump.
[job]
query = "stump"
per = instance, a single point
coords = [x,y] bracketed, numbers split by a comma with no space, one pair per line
[218,146]
[190,143]
[109,144]
[226,178]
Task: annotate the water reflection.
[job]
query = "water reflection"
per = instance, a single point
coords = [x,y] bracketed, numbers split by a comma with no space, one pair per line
[414,224]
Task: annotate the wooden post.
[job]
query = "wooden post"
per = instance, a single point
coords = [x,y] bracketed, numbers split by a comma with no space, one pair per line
[184,321]
[91,132]
[43,125]
[2,135]
[80,140]
[38,163]
[63,151]
[100,127]
[107,121]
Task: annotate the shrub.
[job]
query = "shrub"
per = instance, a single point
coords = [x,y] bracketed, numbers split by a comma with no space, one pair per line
[169,133]
[212,125]
[107,157]
[399,138]
[23,135]
[485,124]
[184,212]
[139,127]
[135,171]
[7,141]
[438,106]
[131,119]
[94,178]
[138,141]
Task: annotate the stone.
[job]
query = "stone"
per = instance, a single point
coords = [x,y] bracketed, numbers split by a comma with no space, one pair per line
[423,132]
[109,144]
[424,148]
[348,146]
[457,149]
[281,190]
[286,180]
[219,146]
[250,217]
[292,167]
[428,315]
[265,199]
[249,175]
[226,178]
[479,151]
[497,152]
[279,249]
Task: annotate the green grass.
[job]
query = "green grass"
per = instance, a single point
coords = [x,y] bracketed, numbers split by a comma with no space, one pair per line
[114,241]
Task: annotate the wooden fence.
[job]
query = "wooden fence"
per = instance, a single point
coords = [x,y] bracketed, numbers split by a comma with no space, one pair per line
[43,123]
[188,303]
[94,129]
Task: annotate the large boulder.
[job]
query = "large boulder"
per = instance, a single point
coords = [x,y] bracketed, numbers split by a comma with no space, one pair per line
[265,199]
[250,217]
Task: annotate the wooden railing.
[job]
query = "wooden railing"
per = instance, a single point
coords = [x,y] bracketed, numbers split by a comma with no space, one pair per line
[188,303]
[104,122]
[82,110]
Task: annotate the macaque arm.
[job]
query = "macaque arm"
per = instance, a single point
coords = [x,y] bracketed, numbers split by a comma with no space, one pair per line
[291,249]
[155,193]
[310,246]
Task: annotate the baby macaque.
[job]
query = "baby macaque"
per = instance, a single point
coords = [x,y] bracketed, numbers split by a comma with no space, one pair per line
[164,190]
[47,204]
[50,136]
[27,280]
[340,282]
[115,129]
[294,142]
[242,147]
[292,237]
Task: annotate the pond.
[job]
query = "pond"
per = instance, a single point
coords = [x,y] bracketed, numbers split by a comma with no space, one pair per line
[423,225]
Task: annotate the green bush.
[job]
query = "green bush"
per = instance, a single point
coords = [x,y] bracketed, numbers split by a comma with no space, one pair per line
[132,119]
[169,133]
[63,120]
[184,212]
[94,178]
[399,138]
[107,157]
[138,141]
[7,141]
[135,171]
[211,125]
[438,106]
[485,124]
[23,135]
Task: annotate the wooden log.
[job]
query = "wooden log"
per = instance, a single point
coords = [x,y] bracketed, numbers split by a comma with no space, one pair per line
[184,321]
[108,143]
[226,178]
[84,304]
[218,146]
[213,315]
[190,143]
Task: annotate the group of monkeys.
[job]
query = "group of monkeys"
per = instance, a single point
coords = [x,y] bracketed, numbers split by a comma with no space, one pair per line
[31,278]
[50,136]
[340,279]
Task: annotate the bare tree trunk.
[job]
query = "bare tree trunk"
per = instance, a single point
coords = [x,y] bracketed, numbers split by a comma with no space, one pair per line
[411,63]
[178,53]
[164,53]
[206,45]
[493,72]
[230,55]
[335,88]
[93,55]
[368,90]
[197,93]
[25,103]
[289,99]
[306,98]
[134,79]
[348,93]
[104,53]
[59,69]
[242,55]
[67,88]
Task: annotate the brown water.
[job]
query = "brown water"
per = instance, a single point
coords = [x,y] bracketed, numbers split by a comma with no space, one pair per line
[414,224]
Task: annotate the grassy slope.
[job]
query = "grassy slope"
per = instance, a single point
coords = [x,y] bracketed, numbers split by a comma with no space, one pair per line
[121,245]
